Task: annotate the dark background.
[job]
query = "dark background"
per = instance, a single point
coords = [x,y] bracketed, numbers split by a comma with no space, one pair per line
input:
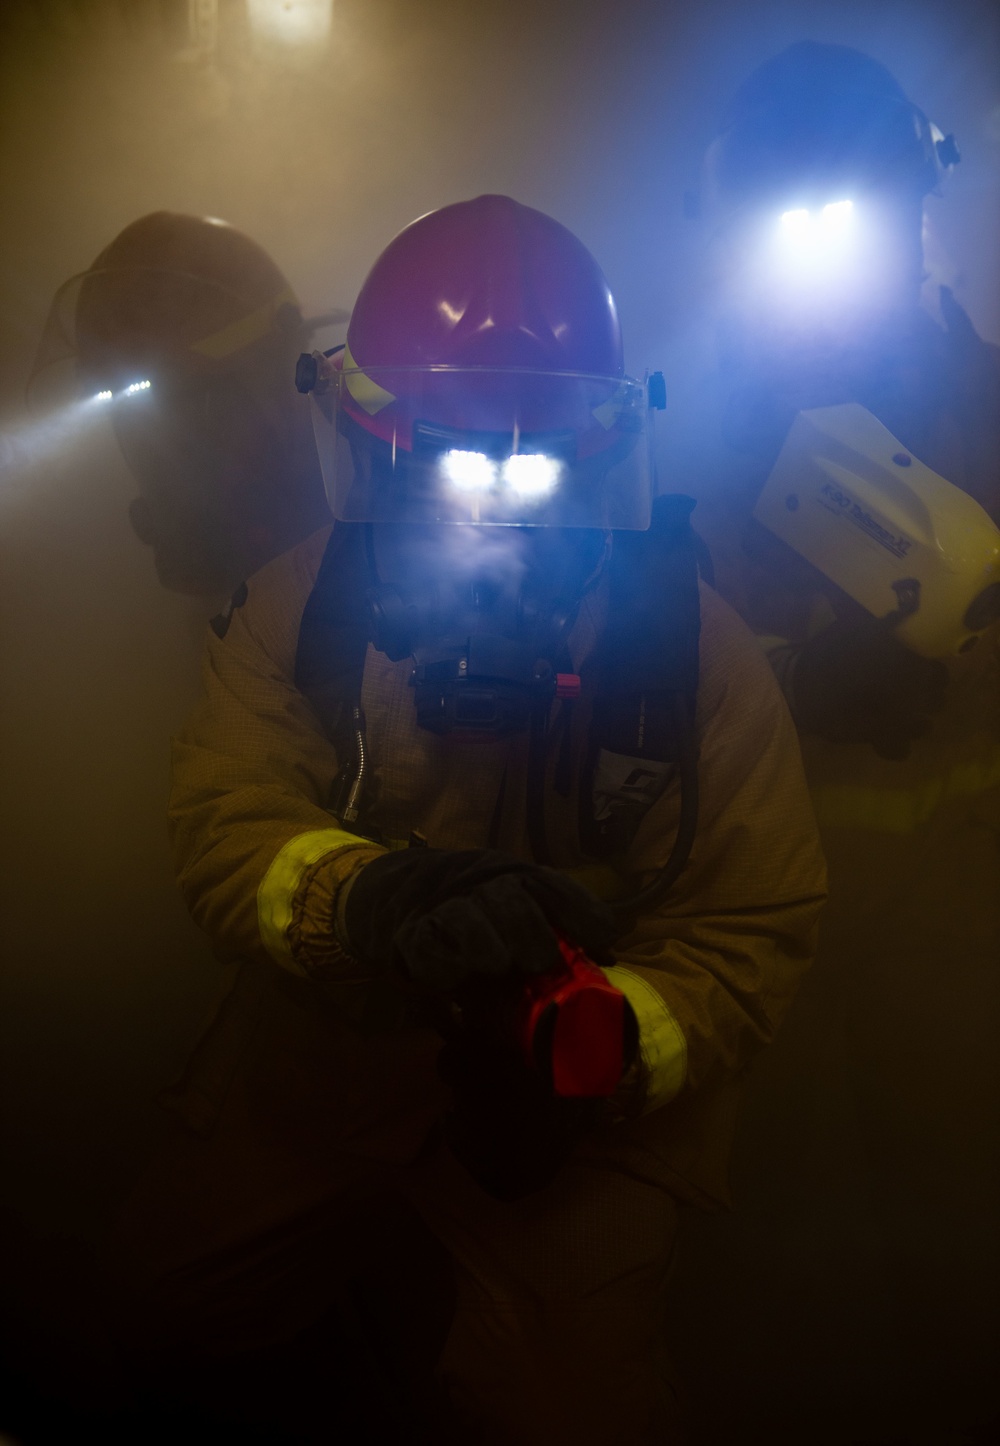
[596,113]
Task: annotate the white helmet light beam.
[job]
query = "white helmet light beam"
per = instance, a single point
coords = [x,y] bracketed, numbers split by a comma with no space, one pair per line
[132,390]
[802,224]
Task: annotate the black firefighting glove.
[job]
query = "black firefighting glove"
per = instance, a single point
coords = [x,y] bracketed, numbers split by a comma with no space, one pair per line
[442,917]
[855,683]
[466,929]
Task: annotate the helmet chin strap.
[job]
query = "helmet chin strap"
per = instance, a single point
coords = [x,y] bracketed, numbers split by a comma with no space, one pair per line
[489,644]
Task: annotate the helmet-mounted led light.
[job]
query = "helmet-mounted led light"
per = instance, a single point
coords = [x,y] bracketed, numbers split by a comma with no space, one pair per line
[796,222]
[107,394]
[801,224]
[528,474]
[468,471]
[531,474]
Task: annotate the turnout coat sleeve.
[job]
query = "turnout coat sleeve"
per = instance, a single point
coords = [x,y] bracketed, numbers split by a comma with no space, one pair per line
[252,771]
[712,973]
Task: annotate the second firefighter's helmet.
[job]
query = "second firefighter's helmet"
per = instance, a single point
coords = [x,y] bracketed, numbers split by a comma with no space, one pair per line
[818,121]
[186,294]
[183,333]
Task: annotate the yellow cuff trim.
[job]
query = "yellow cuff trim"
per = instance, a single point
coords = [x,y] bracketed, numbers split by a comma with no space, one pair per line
[366,393]
[238,335]
[661,1040]
[281,883]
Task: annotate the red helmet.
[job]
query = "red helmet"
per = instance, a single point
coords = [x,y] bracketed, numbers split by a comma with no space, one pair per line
[482,381]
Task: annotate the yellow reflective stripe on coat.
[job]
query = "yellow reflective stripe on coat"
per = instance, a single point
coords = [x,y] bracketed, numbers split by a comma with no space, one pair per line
[281,882]
[661,1039]
[240,334]
[901,810]
[366,393]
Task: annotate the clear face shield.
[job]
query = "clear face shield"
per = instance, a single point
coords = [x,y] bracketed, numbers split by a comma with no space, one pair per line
[483,446]
[489,494]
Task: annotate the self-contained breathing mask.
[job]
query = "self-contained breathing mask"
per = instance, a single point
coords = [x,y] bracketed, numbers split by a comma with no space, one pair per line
[486,624]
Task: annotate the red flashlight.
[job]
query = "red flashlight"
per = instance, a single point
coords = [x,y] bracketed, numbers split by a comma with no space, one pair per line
[572,1022]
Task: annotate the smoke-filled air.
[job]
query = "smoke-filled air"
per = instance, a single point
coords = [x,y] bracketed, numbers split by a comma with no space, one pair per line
[270,151]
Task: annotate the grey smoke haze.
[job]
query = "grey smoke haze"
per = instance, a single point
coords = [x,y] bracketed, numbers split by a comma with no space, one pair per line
[594,112]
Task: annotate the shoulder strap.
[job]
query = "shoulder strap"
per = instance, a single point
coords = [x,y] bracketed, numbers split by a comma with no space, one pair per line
[651,643]
[647,678]
[333,636]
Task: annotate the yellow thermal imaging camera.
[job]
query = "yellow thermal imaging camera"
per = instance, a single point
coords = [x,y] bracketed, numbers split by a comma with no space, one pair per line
[907,545]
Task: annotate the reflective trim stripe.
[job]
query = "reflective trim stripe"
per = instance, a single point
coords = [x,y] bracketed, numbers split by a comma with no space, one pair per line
[280,885]
[246,330]
[366,393]
[661,1040]
[607,413]
[901,810]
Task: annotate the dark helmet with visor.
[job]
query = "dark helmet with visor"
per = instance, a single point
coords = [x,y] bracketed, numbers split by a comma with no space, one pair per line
[818,121]
[182,333]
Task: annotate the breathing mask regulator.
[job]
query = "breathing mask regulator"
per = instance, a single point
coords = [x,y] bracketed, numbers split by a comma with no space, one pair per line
[485,615]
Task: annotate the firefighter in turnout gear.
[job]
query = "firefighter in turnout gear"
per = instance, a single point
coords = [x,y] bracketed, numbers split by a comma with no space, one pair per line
[485,785]
[815,191]
[185,330]
[813,199]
